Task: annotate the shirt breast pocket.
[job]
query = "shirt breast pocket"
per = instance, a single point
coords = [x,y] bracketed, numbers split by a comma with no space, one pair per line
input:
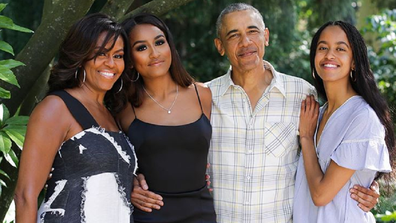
[280,138]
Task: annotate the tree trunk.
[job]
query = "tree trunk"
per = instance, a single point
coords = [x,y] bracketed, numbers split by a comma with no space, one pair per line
[36,55]
[157,7]
[116,9]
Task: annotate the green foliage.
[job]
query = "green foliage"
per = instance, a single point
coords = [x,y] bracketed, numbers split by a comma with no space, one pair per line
[12,129]
[386,208]
[24,16]
[383,55]
[383,63]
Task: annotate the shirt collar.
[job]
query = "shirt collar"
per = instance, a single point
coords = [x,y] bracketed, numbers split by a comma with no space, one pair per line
[275,83]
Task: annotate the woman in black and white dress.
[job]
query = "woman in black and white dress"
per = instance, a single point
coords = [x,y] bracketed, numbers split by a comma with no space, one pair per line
[73,131]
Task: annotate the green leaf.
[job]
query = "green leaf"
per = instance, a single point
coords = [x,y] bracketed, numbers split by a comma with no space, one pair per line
[7,23]
[4,93]
[2,183]
[2,6]
[5,143]
[9,159]
[17,120]
[8,76]
[16,136]
[4,46]
[10,63]
[17,129]
[14,157]
[4,113]
[4,174]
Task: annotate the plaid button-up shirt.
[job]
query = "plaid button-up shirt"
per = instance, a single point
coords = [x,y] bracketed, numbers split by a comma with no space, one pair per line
[253,154]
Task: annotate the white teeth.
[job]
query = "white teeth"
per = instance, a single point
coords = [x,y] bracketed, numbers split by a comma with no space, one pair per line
[107,74]
[330,65]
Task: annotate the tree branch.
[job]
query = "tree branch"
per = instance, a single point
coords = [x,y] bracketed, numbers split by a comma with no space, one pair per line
[43,46]
[157,7]
[116,8]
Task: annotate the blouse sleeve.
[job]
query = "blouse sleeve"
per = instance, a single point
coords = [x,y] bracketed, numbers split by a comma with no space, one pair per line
[364,145]
[370,154]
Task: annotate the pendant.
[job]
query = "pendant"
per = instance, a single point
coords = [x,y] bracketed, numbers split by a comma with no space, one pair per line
[169,111]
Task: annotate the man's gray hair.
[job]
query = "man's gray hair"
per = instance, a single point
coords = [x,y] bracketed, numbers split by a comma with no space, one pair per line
[234,7]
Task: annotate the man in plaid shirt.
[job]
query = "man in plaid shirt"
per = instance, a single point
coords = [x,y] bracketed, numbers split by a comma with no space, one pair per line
[255,115]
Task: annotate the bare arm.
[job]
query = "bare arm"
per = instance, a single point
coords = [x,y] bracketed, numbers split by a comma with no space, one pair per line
[323,187]
[45,134]
[142,198]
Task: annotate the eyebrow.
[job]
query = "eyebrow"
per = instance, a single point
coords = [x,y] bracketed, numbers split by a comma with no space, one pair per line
[98,48]
[338,43]
[143,41]
[122,49]
[235,30]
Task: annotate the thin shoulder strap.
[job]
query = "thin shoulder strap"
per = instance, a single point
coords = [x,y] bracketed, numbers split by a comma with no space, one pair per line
[199,99]
[77,109]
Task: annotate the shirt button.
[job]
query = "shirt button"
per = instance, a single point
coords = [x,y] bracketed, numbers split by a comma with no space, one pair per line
[248,177]
[250,151]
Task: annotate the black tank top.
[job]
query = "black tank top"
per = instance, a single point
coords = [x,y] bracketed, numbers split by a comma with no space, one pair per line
[172,158]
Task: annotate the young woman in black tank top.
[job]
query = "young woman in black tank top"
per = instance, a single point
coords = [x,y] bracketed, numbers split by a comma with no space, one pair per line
[167,121]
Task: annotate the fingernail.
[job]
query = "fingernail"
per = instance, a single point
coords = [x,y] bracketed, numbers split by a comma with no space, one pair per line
[356,187]
[353,196]
[145,187]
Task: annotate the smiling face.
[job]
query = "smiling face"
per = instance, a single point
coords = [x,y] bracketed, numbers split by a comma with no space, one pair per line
[242,39]
[334,59]
[151,54]
[104,70]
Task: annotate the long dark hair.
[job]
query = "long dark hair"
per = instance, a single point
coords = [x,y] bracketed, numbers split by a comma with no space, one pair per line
[177,71]
[363,81]
[78,47]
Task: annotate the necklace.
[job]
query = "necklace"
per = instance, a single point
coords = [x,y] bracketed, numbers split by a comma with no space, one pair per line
[173,103]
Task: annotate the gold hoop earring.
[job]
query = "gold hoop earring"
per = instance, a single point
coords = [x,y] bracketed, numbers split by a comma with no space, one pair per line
[85,75]
[122,84]
[313,74]
[138,75]
[352,76]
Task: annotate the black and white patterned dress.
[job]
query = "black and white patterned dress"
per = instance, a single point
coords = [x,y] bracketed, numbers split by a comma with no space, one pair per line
[93,172]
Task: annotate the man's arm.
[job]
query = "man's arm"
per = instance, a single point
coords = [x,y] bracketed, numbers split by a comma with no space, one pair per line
[367,198]
[142,198]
